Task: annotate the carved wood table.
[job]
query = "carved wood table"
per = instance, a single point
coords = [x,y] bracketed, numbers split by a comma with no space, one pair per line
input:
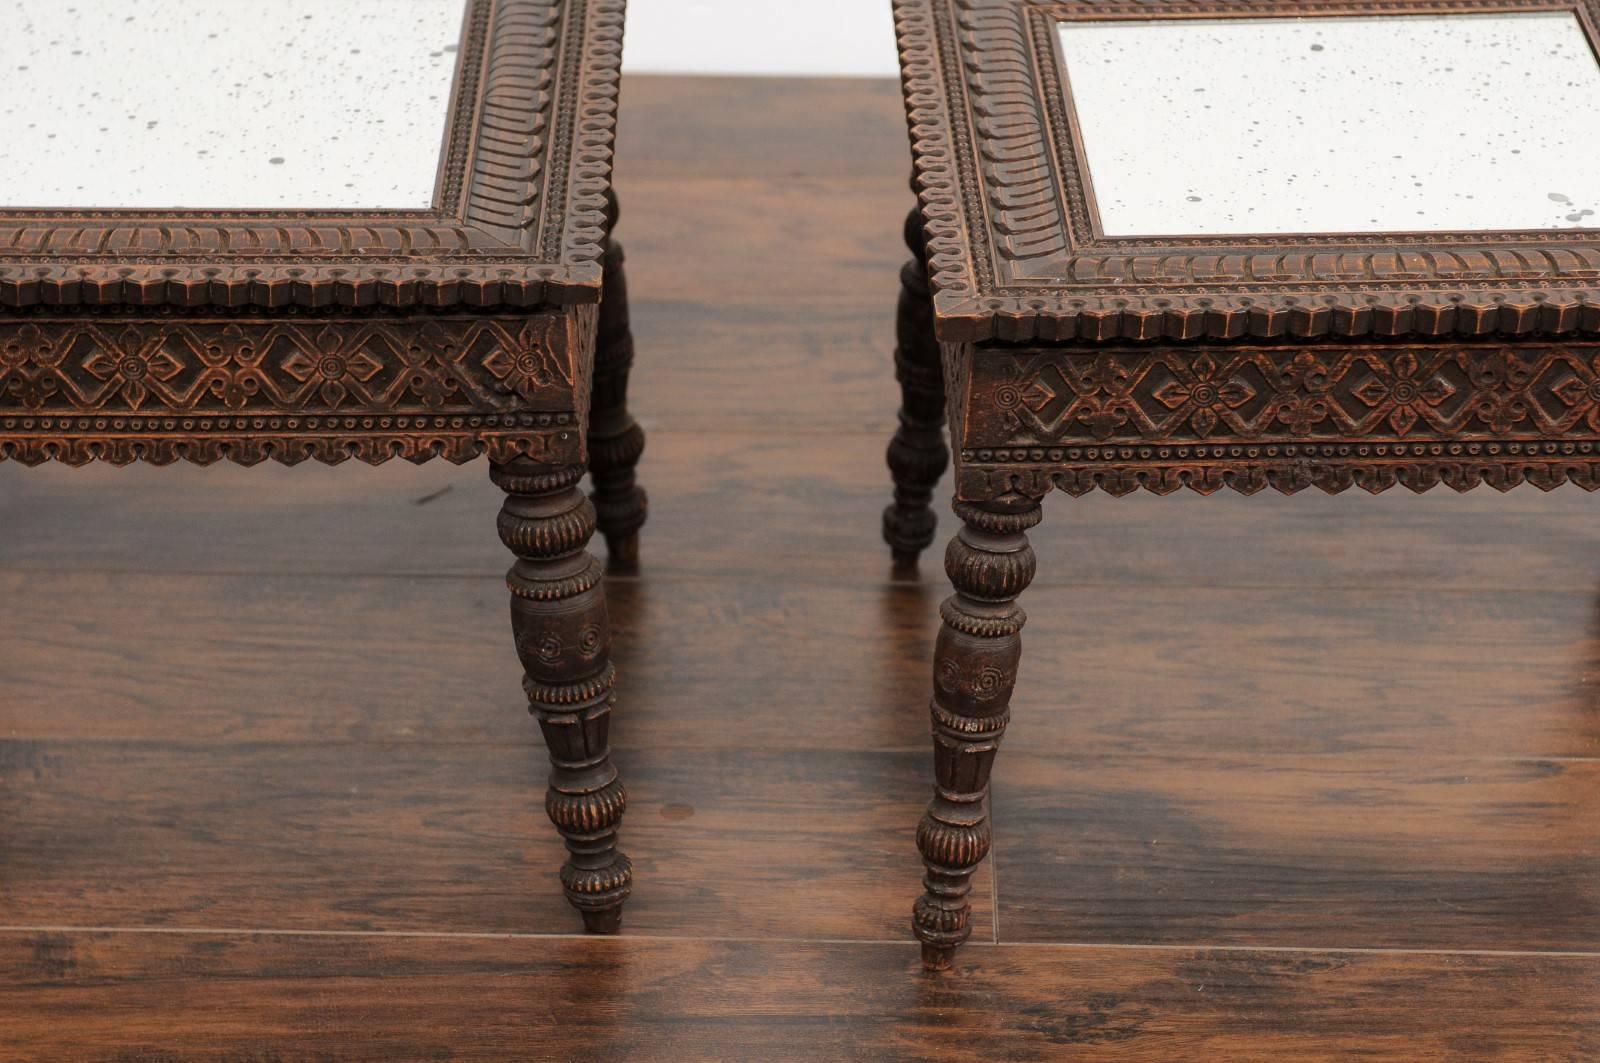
[1251,244]
[313,229]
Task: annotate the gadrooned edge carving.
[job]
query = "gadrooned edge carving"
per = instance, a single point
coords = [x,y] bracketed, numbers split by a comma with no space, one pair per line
[1023,196]
[509,156]
[395,259]
[1327,285]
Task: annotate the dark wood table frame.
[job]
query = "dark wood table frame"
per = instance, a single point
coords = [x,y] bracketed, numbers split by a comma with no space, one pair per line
[1075,361]
[494,323]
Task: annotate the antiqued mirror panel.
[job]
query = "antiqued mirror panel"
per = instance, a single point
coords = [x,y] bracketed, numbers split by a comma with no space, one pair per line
[1338,125]
[292,104]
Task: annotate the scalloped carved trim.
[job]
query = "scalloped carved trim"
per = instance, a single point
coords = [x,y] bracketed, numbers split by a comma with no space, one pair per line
[1025,210]
[936,173]
[251,447]
[520,222]
[978,482]
[586,223]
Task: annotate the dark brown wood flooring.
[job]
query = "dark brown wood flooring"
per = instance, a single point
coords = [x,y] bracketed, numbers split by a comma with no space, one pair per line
[1288,778]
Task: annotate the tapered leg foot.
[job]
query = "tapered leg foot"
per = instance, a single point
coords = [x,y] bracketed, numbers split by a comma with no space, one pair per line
[918,456]
[563,637]
[615,439]
[606,921]
[975,668]
[622,551]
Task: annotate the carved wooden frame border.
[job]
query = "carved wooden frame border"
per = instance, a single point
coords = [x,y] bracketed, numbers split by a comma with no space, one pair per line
[519,218]
[1012,255]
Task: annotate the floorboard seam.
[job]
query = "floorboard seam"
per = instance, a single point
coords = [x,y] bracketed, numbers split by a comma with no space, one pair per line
[630,748]
[798,579]
[1079,946]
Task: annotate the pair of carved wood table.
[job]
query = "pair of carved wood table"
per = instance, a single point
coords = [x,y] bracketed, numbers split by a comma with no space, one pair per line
[1204,244]
[331,230]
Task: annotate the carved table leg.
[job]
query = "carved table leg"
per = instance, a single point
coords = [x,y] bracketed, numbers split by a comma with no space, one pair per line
[615,439]
[558,615]
[974,670]
[917,453]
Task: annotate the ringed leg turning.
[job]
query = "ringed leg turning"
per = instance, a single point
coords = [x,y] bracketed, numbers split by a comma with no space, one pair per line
[975,668]
[563,637]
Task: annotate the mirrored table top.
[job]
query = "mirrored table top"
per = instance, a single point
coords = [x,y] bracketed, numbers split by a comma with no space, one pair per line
[286,104]
[1368,124]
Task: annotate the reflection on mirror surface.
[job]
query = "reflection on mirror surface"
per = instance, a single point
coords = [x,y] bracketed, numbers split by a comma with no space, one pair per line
[1338,125]
[289,104]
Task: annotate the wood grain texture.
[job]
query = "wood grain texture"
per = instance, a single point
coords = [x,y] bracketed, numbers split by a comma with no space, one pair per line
[765,129]
[89,997]
[240,659]
[1312,852]
[374,836]
[1371,852]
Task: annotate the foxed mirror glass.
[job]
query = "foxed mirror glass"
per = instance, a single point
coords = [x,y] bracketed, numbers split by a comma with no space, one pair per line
[1365,124]
[291,104]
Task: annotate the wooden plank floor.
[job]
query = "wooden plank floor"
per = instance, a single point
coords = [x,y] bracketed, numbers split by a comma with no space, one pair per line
[1288,778]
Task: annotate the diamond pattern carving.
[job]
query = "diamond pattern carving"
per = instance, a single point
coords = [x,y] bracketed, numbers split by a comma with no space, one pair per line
[1269,393]
[479,364]
[87,387]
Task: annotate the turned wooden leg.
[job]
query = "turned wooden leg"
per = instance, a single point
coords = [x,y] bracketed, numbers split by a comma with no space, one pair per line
[558,615]
[974,670]
[917,453]
[615,439]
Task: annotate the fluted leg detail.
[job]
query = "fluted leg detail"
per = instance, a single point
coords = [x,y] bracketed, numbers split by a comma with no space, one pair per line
[563,636]
[975,668]
[918,456]
[615,439]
